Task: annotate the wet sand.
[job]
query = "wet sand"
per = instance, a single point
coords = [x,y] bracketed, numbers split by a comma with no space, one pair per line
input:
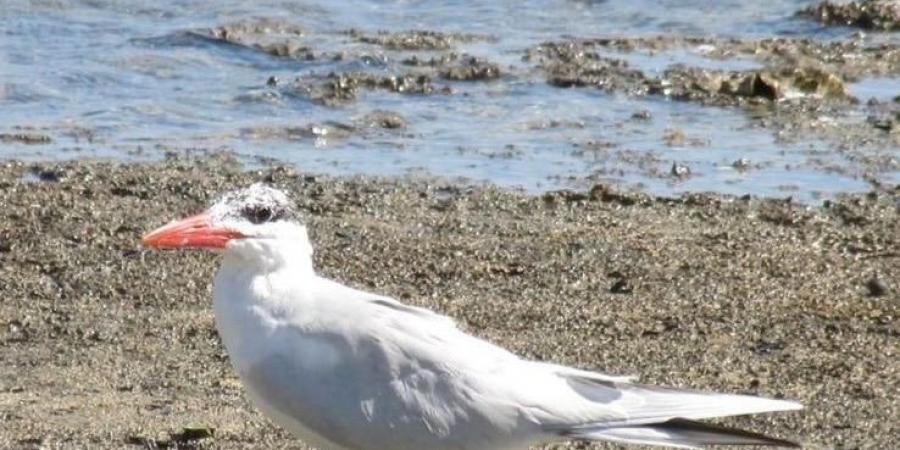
[106,345]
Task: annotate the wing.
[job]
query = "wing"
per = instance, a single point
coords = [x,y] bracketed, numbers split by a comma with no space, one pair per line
[468,376]
[407,378]
[370,372]
[415,312]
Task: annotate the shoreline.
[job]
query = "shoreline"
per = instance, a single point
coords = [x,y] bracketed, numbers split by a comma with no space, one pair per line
[42,169]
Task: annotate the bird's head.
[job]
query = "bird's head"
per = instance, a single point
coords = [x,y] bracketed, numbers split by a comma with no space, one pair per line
[256,216]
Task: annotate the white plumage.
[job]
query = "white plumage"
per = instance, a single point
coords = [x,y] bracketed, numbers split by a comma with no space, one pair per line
[344,369]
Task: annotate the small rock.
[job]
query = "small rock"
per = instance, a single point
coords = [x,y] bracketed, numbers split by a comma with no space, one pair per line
[382,119]
[877,287]
[287,50]
[741,164]
[193,433]
[51,175]
[337,89]
[756,84]
[472,69]
[680,170]
[882,122]
[816,81]
[621,286]
[25,138]
[642,115]
[331,130]
[674,138]
[766,347]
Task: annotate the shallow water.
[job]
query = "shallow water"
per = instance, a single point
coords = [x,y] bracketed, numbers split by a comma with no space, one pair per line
[878,88]
[127,80]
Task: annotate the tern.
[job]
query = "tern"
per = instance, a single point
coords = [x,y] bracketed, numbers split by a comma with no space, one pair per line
[344,369]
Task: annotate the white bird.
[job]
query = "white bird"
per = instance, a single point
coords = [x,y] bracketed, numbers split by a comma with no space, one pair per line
[344,369]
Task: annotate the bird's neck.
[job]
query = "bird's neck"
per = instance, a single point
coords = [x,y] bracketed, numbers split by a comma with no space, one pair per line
[292,253]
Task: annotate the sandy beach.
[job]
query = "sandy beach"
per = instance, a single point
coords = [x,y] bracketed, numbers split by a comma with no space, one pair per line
[107,345]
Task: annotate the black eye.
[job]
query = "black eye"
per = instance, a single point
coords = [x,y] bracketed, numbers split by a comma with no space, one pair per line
[258,214]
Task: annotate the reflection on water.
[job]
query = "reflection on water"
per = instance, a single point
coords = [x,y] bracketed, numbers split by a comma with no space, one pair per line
[129,79]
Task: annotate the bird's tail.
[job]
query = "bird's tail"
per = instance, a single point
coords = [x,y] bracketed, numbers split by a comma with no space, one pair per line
[678,433]
[668,417]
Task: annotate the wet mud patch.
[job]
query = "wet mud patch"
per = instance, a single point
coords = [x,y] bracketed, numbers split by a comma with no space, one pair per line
[416,40]
[737,88]
[457,67]
[336,89]
[792,67]
[881,15]
[381,119]
[801,92]
[27,138]
[271,36]
[581,63]
[569,65]
[850,58]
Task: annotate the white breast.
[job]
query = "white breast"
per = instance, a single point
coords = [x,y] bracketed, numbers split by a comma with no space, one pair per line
[270,361]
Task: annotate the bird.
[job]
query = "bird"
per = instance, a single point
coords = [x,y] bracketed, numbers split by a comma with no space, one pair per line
[345,369]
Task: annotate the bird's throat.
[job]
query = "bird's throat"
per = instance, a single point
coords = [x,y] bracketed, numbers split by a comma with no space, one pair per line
[265,255]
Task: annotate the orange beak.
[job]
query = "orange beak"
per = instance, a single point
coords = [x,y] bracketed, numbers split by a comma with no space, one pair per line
[192,232]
